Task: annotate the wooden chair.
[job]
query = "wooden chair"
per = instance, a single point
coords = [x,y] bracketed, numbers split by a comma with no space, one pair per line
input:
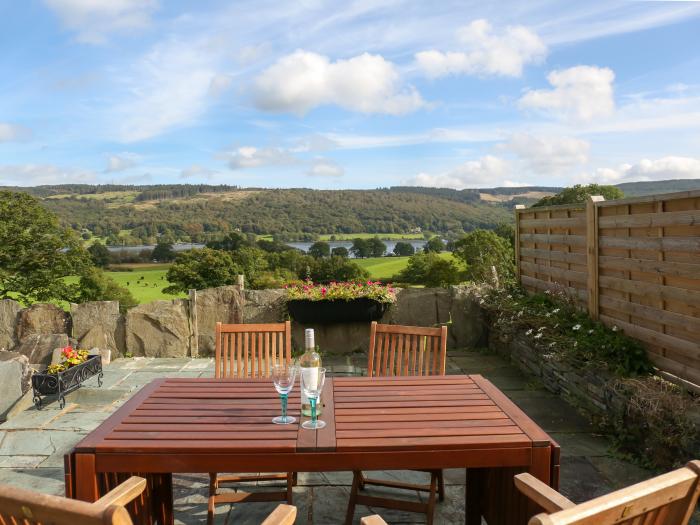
[669,499]
[250,350]
[374,519]
[25,507]
[396,350]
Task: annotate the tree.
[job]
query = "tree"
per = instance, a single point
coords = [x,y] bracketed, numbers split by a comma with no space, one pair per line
[577,194]
[251,262]
[431,270]
[232,242]
[340,251]
[481,250]
[36,253]
[200,269]
[403,249]
[434,245]
[99,254]
[163,252]
[336,269]
[507,231]
[360,248]
[320,249]
[95,285]
[376,247]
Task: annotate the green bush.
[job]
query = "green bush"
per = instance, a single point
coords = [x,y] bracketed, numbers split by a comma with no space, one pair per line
[429,269]
[482,250]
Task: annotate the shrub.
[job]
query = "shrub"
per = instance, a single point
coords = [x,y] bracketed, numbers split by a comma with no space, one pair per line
[481,250]
[429,269]
[94,285]
[343,291]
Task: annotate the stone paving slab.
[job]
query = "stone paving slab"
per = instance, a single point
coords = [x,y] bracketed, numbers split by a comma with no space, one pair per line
[32,444]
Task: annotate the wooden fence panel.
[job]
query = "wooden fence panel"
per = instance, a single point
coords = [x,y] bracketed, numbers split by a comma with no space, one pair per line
[633,263]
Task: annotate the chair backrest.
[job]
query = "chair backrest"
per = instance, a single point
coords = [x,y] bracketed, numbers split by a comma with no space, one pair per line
[668,499]
[20,506]
[282,515]
[396,350]
[250,350]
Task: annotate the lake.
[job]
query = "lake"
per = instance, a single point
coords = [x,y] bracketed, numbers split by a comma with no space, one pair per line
[303,246]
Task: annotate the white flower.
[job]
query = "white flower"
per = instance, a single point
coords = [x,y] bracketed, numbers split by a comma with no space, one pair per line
[576,327]
[548,314]
[547,292]
[528,332]
[540,328]
[539,334]
[615,328]
[575,344]
[590,332]
[551,345]
[556,311]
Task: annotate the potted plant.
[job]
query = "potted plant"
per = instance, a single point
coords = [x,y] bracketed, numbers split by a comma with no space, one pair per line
[76,366]
[339,302]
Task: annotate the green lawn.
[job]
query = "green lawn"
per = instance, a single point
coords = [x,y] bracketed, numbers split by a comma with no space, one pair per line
[384,268]
[145,282]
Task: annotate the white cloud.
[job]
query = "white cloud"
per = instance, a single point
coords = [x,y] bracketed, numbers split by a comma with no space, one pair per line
[547,155]
[301,81]
[321,167]
[13,132]
[195,170]
[94,20]
[219,84]
[169,87]
[580,93]
[486,52]
[121,162]
[660,169]
[251,157]
[486,172]
[38,174]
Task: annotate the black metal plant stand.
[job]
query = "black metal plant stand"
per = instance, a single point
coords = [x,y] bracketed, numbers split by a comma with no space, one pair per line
[63,383]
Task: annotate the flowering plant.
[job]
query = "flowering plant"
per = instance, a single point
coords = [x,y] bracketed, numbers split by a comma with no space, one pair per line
[70,357]
[345,291]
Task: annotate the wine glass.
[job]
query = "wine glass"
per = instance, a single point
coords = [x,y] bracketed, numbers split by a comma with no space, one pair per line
[283,377]
[312,380]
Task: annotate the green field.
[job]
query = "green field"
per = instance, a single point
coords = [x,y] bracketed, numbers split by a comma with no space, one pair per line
[145,282]
[383,268]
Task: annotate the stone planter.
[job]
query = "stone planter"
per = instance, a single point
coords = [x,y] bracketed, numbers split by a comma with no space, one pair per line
[326,312]
[65,382]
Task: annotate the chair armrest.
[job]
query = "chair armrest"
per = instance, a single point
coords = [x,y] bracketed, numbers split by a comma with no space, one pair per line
[282,515]
[375,519]
[124,493]
[543,495]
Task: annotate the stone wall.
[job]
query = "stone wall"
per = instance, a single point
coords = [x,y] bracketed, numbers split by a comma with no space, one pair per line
[185,327]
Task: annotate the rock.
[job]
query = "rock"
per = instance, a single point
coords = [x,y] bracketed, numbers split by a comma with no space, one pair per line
[9,316]
[264,306]
[39,348]
[225,305]
[99,324]
[15,379]
[468,327]
[43,319]
[419,307]
[105,353]
[159,329]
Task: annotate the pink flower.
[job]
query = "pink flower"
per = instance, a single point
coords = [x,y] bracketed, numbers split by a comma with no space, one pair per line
[323,291]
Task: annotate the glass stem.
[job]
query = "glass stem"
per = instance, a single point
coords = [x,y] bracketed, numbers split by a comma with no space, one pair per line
[312,400]
[283,397]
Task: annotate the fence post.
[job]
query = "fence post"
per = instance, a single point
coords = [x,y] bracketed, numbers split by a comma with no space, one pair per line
[194,326]
[517,241]
[240,281]
[592,253]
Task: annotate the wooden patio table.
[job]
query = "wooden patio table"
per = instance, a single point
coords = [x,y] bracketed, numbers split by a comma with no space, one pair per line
[410,422]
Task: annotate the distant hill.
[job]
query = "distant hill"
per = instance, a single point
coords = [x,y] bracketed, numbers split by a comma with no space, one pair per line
[637,189]
[121,214]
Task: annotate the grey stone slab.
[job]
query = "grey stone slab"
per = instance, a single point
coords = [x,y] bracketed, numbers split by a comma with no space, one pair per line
[44,480]
[580,480]
[581,444]
[38,442]
[34,419]
[20,462]
[95,396]
[77,421]
[619,473]
[553,415]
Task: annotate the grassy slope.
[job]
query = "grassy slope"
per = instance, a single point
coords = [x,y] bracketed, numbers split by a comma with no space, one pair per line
[386,236]
[384,268]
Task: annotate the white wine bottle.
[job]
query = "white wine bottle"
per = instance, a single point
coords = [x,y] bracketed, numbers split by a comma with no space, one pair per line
[310,359]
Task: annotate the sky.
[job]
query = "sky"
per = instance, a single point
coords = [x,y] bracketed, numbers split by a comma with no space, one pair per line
[352,94]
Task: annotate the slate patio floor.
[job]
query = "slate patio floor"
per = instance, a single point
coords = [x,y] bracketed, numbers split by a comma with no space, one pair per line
[32,444]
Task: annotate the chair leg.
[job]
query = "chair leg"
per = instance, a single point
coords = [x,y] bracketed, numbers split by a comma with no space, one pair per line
[356,476]
[290,484]
[431,499]
[212,499]
[361,475]
[441,486]
[295,479]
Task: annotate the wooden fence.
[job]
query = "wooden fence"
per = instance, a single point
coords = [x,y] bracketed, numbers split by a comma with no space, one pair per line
[632,263]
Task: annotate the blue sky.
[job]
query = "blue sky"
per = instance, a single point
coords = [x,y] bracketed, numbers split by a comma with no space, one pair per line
[348,94]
